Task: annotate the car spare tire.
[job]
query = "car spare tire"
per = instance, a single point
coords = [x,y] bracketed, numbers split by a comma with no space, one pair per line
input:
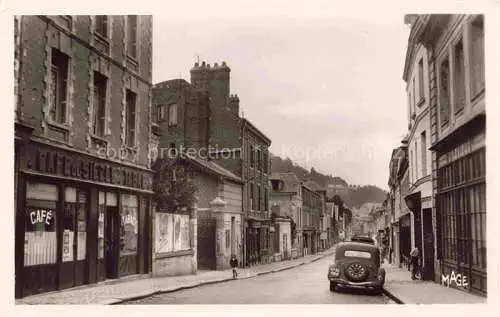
[356,272]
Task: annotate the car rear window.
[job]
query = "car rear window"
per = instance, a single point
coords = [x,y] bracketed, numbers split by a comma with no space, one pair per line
[357,254]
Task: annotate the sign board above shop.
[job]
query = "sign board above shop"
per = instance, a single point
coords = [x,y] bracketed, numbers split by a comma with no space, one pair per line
[82,167]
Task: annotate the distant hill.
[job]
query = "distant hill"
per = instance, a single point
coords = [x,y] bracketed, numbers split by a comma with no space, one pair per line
[354,196]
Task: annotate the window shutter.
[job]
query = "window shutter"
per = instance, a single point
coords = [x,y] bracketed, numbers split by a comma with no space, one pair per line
[95,107]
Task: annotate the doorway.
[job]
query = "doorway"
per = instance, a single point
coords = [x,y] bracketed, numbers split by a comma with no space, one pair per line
[111,233]
[428,235]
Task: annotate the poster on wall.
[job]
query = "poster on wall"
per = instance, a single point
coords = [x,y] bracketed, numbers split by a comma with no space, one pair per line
[172,233]
[185,232]
[177,233]
[67,254]
[164,233]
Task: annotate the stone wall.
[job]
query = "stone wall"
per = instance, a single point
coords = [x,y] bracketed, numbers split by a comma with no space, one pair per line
[175,263]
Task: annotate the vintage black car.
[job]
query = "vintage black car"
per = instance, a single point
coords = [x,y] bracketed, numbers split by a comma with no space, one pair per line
[356,265]
[363,239]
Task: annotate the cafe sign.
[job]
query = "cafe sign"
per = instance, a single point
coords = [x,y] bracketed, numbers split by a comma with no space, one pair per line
[84,168]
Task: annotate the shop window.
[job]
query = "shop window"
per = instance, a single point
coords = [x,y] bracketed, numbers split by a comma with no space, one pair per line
[69,224]
[40,237]
[100,226]
[129,225]
[74,225]
[81,226]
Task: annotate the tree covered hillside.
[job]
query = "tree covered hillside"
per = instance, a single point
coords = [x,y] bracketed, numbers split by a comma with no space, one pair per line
[354,196]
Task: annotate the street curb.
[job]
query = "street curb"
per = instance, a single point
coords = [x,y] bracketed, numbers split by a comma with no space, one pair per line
[158,292]
[392,296]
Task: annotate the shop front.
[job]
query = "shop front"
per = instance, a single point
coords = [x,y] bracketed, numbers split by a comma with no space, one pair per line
[79,220]
[461,205]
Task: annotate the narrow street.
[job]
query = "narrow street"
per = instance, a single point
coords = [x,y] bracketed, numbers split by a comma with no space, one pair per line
[306,284]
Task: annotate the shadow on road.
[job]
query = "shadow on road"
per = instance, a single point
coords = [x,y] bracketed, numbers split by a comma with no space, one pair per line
[356,291]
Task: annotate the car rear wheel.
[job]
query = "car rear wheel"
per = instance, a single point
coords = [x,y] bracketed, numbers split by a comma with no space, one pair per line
[332,286]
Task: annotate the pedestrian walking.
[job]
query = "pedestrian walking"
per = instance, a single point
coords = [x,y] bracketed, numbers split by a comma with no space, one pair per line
[414,254]
[234,264]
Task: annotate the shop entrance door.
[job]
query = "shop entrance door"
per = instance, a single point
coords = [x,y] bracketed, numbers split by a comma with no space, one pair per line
[428,262]
[74,238]
[111,231]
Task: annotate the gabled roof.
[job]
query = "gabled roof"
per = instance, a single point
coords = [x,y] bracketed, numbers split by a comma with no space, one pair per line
[290,181]
[314,186]
[212,167]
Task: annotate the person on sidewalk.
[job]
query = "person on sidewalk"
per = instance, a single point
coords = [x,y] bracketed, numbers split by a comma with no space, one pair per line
[414,254]
[234,264]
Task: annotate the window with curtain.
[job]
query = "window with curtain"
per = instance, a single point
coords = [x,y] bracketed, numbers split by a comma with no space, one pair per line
[40,236]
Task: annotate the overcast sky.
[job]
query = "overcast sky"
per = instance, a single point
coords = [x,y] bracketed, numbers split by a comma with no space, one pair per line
[327,91]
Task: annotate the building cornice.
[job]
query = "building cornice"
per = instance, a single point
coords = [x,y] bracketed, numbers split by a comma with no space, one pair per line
[417,28]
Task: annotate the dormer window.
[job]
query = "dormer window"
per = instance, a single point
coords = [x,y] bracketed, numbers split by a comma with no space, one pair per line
[277,185]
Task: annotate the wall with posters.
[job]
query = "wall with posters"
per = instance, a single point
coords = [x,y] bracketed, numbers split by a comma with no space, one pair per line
[172,246]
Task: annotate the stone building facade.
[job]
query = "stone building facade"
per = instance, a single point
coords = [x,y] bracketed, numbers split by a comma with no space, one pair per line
[456,81]
[82,129]
[203,117]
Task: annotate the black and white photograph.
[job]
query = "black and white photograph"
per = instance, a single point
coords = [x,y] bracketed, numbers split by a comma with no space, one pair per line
[220,154]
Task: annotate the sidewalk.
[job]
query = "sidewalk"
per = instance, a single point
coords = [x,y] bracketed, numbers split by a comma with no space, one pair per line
[401,288]
[117,291]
